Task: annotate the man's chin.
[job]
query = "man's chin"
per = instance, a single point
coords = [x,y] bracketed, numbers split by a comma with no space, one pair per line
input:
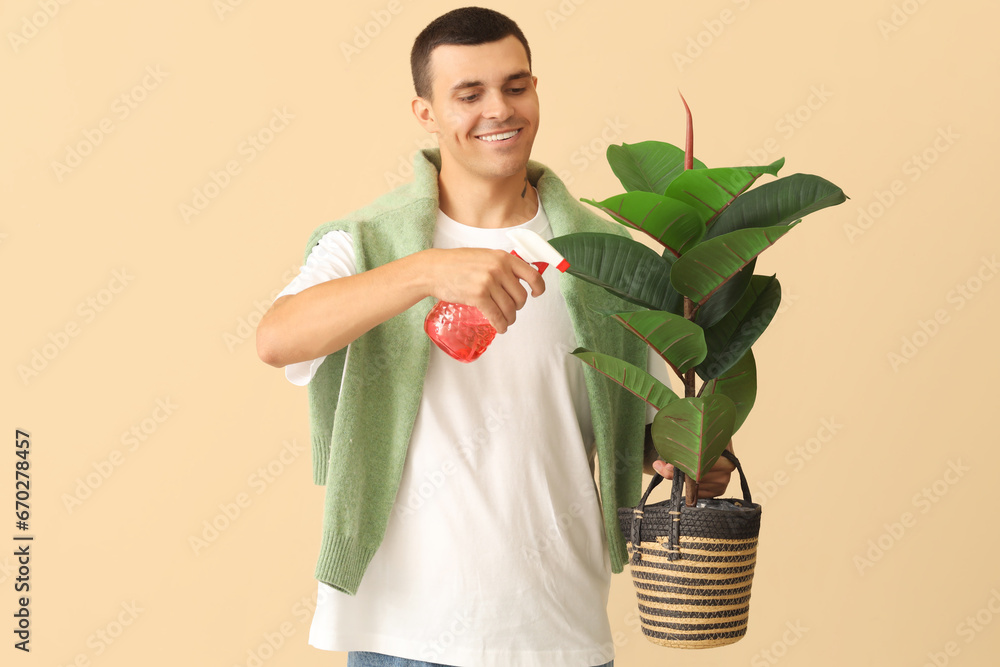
[499,165]
[503,166]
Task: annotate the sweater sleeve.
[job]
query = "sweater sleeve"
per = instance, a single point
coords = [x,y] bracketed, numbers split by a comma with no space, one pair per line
[332,257]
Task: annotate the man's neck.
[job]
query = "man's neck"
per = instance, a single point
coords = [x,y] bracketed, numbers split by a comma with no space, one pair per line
[492,203]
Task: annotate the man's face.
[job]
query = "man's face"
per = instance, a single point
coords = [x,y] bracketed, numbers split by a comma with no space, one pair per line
[481,92]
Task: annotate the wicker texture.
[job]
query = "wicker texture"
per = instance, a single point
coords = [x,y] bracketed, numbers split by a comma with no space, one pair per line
[693,587]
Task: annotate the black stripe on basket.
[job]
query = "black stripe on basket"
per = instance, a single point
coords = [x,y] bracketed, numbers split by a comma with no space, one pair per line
[649,632]
[668,577]
[743,600]
[721,547]
[716,549]
[658,593]
[697,628]
[677,567]
[718,557]
[726,613]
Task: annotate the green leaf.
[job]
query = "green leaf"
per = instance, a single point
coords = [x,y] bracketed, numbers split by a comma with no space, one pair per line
[705,268]
[680,342]
[632,378]
[672,223]
[648,166]
[778,203]
[739,383]
[730,339]
[692,432]
[727,296]
[622,266]
[710,191]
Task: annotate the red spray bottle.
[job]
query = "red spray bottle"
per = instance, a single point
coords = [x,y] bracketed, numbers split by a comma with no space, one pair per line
[463,332]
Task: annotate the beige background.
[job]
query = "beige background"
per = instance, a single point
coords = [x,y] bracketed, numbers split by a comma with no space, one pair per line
[866,570]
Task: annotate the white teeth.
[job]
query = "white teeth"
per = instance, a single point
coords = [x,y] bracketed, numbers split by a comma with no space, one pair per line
[499,137]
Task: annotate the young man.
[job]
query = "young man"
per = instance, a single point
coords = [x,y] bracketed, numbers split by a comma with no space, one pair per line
[462,525]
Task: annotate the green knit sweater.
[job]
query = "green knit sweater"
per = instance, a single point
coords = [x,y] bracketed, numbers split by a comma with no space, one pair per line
[362,412]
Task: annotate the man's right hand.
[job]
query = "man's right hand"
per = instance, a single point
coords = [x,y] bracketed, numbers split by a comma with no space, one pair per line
[488,279]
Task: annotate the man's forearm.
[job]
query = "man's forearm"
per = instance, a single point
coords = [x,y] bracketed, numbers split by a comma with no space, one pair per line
[327,317]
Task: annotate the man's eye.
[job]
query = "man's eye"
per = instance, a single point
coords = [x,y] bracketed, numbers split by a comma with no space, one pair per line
[517,91]
[468,98]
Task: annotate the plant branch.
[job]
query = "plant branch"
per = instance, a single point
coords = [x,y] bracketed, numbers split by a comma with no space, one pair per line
[691,486]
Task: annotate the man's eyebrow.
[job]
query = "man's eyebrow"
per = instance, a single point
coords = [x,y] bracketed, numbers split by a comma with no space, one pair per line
[467,83]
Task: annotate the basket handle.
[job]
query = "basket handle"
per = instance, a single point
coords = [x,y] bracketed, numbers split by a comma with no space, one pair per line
[676,500]
[743,478]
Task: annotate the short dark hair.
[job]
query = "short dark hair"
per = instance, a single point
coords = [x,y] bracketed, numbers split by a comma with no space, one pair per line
[465,26]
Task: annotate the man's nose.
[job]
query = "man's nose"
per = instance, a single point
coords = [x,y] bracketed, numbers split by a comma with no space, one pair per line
[497,107]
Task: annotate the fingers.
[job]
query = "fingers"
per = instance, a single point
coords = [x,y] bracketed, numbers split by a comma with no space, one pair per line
[530,275]
[665,470]
[490,280]
[502,306]
[713,483]
[509,294]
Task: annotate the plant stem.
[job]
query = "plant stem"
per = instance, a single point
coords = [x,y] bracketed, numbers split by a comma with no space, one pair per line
[689,143]
[691,486]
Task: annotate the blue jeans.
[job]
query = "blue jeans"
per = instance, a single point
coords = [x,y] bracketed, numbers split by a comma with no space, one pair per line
[366,659]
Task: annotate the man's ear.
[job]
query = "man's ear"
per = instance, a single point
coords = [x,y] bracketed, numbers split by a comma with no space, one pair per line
[424,114]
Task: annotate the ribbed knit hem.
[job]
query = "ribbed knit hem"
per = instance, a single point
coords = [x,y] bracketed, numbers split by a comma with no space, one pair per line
[342,562]
[320,460]
[617,549]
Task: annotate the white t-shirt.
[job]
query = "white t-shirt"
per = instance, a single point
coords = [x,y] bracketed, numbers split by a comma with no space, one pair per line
[495,553]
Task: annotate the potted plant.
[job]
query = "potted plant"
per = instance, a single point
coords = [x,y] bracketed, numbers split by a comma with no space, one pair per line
[700,306]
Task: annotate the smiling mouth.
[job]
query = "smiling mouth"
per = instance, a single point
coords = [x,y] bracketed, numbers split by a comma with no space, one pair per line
[499,137]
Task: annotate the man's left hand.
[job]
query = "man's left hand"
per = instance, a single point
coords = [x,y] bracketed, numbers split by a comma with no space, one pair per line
[713,483]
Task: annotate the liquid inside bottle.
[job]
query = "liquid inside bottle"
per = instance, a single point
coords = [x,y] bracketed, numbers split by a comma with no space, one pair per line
[461,331]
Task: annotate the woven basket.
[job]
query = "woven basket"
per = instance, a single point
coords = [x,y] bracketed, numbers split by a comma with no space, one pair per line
[693,566]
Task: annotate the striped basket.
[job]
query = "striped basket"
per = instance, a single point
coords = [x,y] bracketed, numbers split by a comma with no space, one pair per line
[692,566]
